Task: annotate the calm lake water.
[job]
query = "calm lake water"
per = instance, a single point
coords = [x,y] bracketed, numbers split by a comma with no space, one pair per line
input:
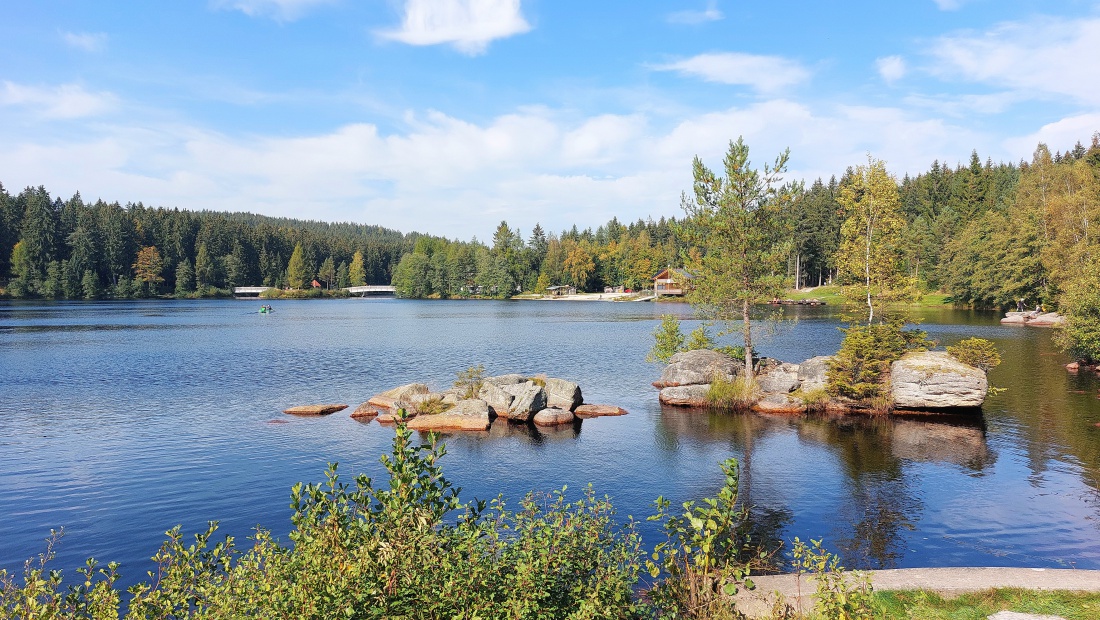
[121,420]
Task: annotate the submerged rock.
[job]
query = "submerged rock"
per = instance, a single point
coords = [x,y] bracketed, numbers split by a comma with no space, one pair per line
[698,367]
[365,410]
[315,409]
[466,415]
[780,403]
[936,380]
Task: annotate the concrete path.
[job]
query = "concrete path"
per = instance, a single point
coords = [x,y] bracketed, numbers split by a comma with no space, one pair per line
[944,581]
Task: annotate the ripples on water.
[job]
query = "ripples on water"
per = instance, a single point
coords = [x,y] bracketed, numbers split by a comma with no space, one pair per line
[119,421]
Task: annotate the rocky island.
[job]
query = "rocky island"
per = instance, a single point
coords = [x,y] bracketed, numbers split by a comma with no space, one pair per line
[542,401]
[919,381]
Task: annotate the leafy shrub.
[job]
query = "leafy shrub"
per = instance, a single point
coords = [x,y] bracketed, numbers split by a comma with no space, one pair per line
[668,340]
[976,352]
[815,399]
[706,555]
[470,380]
[699,338]
[860,369]
[408,549]
[1080,334]
[837,597]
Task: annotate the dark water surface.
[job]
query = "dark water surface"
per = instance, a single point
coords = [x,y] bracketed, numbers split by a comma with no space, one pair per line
[121,420]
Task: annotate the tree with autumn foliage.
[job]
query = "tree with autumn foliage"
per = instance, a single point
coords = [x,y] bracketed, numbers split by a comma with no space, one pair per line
[148,267]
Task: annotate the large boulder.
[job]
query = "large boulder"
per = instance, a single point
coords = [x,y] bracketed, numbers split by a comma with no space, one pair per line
[597,411]
[563,394]
[812,373]
[1048,319]
[686,395]
[781,378]
[936,380]
[403,393]
[530,399]
[698,367]
[552,417]
[499,400]
[466,415]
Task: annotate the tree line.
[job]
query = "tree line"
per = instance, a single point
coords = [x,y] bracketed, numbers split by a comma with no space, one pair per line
[986,234]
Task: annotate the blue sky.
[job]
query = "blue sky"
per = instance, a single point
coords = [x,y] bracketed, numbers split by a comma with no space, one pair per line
[448,116]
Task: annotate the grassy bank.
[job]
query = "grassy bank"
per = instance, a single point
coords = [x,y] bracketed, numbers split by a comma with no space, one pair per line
[908,604]
[832,296]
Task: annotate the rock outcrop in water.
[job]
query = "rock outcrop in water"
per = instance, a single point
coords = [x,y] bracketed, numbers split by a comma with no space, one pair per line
[518,399]
[927,381]
[1033,319]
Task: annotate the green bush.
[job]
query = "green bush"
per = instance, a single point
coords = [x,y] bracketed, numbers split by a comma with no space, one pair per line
[732,394]
[470,380]
[860,369]
[976,352]
[668,340]
[407,549]
[1080,334]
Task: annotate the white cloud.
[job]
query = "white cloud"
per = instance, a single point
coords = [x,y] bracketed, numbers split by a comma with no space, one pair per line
[1046,57]
[450,176]
[891,68]
[87,41]
[282,10]
[763,73]
[64,101]
[468,25]
[709,14]
[1059,135]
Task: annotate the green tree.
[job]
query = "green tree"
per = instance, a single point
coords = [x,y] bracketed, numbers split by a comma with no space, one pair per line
[740,223]
[869,256]
[204,268]
[357,274]
[327,272]
[89,284]
[185,278]
[297,272]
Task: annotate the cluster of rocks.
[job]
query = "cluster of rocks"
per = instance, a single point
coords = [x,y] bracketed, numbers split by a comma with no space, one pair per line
[517,398]
[929,380]
[1033,319]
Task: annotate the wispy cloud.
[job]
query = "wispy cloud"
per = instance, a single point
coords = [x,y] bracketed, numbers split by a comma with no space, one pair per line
[282,10]
[891,68]
[763,73]
[708,14]
[64,101]
[1045,57]
[87,41]
[949,5]
[468,25]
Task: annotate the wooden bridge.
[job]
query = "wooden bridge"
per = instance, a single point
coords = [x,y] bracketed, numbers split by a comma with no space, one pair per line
[371,289]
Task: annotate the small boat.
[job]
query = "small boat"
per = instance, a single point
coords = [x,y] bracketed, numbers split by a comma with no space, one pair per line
[266,309]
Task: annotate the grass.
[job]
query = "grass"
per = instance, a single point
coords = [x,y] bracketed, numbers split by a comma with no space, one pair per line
[832,296]
[732,394]
[906,604]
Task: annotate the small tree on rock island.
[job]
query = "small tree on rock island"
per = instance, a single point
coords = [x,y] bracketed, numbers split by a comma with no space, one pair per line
[741,222]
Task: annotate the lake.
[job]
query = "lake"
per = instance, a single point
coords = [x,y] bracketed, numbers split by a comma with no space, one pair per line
[121,420]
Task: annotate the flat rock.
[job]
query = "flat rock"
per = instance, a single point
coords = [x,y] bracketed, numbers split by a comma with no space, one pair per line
[812,373]
[686,395]
[781,378]
[315,409]
[365,410]
[780,403]
[552,417]
[698,367]
[391,416]
[596,411]
[466,415]
[563,394]
[935,380]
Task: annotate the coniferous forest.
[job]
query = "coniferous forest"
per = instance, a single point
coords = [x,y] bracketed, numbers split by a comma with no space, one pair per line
[986,234]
